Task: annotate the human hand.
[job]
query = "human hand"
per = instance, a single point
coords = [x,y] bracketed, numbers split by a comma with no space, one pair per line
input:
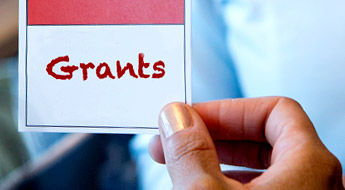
[242,132]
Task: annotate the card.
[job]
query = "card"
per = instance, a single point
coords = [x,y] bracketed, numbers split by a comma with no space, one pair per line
[102,66]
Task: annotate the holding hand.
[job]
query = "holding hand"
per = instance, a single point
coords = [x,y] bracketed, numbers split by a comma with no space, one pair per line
[264,133]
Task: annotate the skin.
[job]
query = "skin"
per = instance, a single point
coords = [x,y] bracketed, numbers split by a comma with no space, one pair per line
[272,133]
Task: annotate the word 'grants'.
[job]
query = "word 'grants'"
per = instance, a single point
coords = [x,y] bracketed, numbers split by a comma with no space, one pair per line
[103,70]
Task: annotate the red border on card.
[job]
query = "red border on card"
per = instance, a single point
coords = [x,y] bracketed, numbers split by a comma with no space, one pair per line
[91,12]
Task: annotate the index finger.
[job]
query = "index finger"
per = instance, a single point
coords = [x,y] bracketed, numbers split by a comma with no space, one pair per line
[257,119]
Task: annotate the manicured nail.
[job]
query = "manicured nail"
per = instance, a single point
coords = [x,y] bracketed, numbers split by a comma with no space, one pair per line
[173,118]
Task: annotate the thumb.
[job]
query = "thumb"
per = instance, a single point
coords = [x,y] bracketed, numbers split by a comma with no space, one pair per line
[189,151]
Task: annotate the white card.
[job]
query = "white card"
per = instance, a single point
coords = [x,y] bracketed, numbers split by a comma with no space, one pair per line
[102,66]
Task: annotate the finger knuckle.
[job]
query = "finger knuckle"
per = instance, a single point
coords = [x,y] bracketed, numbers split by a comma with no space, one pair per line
[332,171]
[334,164]
[187,147]
[321,158]
[289,101]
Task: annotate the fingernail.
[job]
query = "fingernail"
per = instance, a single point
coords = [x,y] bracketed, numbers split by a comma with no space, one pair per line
[173,118]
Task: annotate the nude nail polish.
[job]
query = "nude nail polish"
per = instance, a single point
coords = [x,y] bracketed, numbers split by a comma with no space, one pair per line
[173,118]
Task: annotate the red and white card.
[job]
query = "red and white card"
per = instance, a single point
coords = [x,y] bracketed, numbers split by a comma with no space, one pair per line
[105,66]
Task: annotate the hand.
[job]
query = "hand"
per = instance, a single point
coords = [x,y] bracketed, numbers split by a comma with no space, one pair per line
[242,132]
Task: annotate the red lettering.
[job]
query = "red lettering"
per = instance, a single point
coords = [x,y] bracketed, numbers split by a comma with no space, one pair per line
[106,73]
[121,72]
[159,66]
[84,67]
[66,69]
[143,65]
